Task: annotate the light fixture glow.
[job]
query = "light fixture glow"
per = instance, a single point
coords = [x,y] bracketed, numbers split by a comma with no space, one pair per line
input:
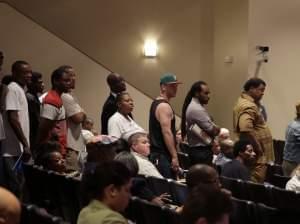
[150,48]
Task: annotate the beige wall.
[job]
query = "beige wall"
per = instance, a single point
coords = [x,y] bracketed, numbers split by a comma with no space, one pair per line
[276,23]
[230,39]
[113,32]
[24,39]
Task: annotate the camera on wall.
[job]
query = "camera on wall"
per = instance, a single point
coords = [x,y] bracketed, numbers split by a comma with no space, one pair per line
[263,50]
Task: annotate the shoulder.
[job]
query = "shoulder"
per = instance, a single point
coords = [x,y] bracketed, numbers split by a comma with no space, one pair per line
[53,98]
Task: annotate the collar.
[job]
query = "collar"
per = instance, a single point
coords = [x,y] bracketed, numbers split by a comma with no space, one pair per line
[114,94]
[139,155]
[247,97]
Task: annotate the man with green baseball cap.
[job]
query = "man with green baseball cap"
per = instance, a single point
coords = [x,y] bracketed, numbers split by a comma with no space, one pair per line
[162,131]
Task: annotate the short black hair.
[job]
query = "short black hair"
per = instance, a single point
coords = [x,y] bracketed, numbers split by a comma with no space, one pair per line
[36,76]
[16,66]
[120,96]
[199,174]
[94,182]
[240,146]
[99,152]
[206,202]
[253,82]
[58,73]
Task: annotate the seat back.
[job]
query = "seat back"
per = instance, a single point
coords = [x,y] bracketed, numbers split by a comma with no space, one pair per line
[236,186]
[286,200]
[158,185]
[273,169]
[258,193]
[31,214]
[179,192]
[243,212]
[279,180]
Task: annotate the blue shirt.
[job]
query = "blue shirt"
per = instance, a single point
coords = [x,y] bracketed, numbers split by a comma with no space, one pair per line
[292,142]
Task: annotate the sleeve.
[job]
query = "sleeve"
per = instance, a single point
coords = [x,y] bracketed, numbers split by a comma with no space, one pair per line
[49,112]
[202,119]
[70,105]
[11,100]
[246,120]
[114,128]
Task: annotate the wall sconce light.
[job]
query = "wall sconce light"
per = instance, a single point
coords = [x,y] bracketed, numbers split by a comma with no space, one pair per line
[150,48]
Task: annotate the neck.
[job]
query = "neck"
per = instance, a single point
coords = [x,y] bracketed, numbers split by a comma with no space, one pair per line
[240,159]
[164,96]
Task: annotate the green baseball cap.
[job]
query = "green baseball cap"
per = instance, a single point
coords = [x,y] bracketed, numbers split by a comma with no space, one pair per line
[169,78]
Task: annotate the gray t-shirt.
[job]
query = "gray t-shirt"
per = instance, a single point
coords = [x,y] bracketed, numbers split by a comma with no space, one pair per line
[74,136]
[197,114]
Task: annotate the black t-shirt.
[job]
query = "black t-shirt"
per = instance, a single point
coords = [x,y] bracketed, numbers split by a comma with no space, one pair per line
[235,169]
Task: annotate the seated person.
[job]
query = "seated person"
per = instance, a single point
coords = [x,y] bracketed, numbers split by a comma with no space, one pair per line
[98,153]
[206,205]
[106,193]
[294,183]
[87,131]
[226,153]
[10,207]
[139,185]
[202,174]
[140,149]
[54,161]
[244,156]
[121,125]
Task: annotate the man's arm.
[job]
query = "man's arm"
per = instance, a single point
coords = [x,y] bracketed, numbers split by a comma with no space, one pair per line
[246,126]
[164,115]
[78,118]
[13,119]
[45,127]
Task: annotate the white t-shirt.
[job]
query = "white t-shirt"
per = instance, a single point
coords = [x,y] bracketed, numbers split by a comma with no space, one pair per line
[15,101]
[121,127]
[74,136]
[146,168]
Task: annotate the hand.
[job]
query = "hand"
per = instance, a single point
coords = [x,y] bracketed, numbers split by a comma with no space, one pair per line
[26,154]
[161,199]
[175,164]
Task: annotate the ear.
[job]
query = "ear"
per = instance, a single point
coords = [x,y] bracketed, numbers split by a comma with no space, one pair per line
[110,191]
[201,221]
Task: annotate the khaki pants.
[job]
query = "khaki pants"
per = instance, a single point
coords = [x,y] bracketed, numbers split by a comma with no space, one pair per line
[258,172]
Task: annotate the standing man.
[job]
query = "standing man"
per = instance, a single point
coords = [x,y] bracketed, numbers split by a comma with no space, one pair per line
[16,125]
[162,130]
[291,152]
[1,63]
[197,125]
[75,116]
[53,120]
[249,123]
[34,88]
[117,85]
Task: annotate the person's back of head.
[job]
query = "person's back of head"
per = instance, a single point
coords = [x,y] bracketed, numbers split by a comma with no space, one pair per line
[10,208]
[100,152]
[129,161]
[206,205]
[107,182]
[202,174]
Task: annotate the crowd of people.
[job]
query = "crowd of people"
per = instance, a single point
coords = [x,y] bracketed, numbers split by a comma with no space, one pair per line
[51,129]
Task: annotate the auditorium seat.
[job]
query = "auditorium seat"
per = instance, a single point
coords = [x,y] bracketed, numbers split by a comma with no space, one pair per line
[258,193]
[236,186]
[31,214]
[279,180]
[178,192]
[243,212]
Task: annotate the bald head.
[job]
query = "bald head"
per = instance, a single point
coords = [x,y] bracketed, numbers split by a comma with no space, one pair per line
[202,174]
[10,208]
[116,83]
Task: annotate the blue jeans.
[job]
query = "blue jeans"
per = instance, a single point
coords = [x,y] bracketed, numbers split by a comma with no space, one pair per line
[163,164]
